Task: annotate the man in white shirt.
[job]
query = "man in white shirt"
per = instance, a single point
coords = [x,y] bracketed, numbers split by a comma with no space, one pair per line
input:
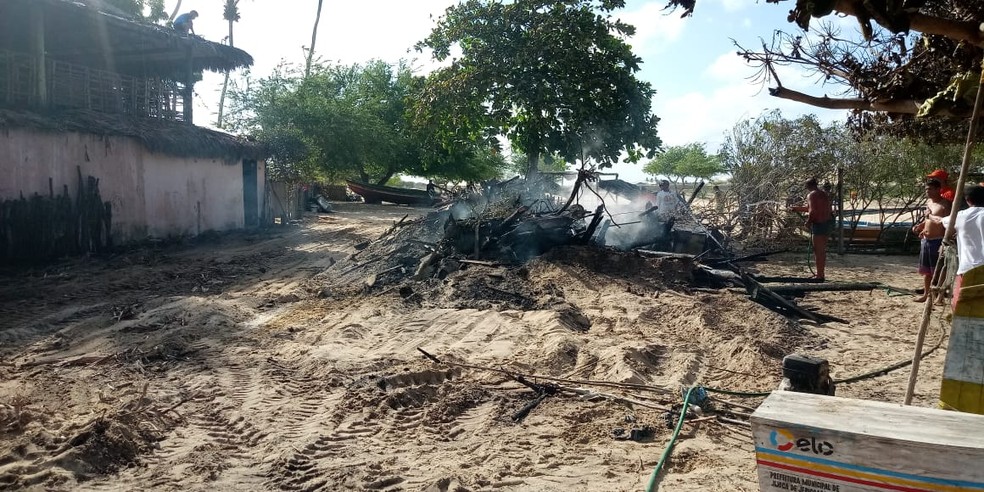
[970,235]
[667,202]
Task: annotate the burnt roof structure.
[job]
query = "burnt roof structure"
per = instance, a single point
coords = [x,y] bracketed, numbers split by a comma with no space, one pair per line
[83,33]
[162,136]
[83,54]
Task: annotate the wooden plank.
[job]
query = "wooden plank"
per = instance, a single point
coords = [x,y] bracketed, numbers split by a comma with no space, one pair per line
[786,280]
[808,443]
[826,287]
[761,294]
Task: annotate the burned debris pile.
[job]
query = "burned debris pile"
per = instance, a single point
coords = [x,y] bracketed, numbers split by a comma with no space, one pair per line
[498,229]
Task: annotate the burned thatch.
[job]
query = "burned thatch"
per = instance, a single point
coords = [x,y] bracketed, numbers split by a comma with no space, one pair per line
[86,35]
[157,135]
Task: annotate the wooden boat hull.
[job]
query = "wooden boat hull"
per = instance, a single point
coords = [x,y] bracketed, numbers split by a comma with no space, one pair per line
[378,193]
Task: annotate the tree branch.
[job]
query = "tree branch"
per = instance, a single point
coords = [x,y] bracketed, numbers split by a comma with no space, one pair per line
[958,30]
[968,31]
[904,106]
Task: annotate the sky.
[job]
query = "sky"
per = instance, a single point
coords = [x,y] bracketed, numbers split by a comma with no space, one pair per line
[701,84]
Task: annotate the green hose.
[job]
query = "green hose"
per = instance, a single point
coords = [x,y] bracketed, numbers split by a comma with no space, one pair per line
[651,486]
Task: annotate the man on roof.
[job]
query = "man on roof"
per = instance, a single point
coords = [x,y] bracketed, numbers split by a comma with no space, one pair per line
[945,191]
[185,23]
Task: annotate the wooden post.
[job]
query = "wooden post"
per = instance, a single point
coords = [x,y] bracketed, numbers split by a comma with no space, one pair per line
[189,89]
[947,239]
[38,53]
[840,210]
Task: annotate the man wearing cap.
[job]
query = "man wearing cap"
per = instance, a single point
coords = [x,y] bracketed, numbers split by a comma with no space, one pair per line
[931,231]
[945,191]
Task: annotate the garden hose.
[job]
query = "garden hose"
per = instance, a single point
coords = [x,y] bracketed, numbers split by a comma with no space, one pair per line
[651,486]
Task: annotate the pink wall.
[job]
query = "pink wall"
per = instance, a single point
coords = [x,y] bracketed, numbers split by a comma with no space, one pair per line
[152,194]
[190,196]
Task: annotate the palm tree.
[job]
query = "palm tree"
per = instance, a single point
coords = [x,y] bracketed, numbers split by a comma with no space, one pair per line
[314,38]
[174,13]
[230,13]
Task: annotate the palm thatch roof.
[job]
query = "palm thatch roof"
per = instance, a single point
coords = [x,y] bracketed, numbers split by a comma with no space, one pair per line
[161,136]
[86,33]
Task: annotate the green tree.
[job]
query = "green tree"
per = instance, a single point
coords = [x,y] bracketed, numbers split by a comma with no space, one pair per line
[770,157]
[351,122]
[552,76]
[685,161]
[518,163]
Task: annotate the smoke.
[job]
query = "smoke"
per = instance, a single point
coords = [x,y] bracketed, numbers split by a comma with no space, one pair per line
[626,224]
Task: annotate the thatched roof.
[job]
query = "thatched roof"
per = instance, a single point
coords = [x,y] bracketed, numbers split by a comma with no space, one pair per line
[89,35]
[162,136]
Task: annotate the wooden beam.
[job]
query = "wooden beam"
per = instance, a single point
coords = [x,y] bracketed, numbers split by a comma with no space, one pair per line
[189,91]
[38,53]
[82,57]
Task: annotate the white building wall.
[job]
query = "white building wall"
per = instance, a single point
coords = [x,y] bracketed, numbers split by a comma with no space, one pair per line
[152,195]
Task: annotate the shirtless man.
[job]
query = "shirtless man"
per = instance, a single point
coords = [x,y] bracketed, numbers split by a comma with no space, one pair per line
[931,232]
[820,220]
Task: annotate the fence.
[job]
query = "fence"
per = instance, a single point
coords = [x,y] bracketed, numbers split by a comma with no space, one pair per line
[76,86]
[39,227]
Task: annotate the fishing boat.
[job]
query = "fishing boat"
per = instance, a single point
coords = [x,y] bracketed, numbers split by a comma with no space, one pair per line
[873,232]
[379,193]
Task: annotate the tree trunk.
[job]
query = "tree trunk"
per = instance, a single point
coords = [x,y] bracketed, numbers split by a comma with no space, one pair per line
[967,31]
[174,13]
[386,177]
[225,83]
[531,165]
[314,39]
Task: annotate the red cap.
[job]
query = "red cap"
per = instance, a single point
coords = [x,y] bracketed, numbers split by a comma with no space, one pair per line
[938,174]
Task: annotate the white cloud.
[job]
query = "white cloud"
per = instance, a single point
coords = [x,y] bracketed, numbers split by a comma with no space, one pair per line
[728,67]
[656,29]
[705,116]
[733,5]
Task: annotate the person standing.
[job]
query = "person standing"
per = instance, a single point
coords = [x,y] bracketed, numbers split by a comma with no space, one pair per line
[931,231]
[970,235]
[820,221]
[718,199]
[667,208]
[185,23]
[945,191]
[667,202]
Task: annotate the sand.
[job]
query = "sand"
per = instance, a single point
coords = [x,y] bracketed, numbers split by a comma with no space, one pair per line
[238,362]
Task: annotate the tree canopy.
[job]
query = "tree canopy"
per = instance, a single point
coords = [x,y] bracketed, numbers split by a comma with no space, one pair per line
[910,58]
[769,159]
[685,161]
[553,76]
[350,121]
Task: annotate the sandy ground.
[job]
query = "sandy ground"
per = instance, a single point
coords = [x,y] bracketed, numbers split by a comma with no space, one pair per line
[235,364]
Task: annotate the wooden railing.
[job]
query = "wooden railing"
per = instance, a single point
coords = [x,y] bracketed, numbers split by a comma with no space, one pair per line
[75,86]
